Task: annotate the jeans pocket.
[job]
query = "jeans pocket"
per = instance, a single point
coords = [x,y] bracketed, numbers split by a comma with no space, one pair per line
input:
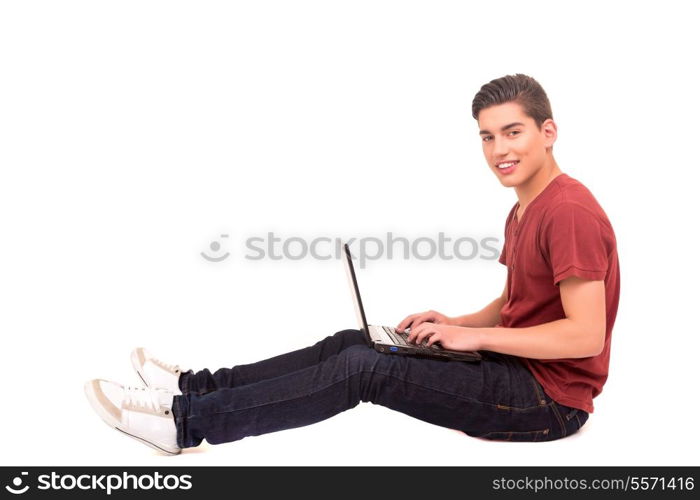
[522,436]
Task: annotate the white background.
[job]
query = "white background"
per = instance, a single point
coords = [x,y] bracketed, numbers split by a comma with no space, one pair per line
[133,134]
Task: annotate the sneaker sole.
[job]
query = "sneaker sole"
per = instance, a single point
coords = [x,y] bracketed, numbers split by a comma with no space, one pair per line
[109,419]
[148,443]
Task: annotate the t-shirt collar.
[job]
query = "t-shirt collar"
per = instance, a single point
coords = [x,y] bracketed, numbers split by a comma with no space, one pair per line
[542,195]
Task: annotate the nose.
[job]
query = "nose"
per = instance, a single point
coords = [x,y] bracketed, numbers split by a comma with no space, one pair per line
[500,147]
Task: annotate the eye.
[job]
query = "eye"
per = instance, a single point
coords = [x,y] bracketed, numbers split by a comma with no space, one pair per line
[514,132]
[486,138]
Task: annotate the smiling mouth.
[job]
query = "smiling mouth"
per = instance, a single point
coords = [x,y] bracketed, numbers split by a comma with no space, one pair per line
[508,164]
[507,167]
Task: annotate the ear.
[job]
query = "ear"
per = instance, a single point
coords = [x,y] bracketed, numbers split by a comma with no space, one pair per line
[549,132]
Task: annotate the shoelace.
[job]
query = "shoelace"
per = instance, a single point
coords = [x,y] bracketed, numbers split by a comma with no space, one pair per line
[141,397]
[172,368]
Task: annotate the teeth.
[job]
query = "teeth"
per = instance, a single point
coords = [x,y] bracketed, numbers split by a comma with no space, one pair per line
[506,165]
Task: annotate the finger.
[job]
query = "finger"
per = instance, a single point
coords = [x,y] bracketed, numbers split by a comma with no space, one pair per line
[433,338]
[417,322]
[418,332]
[413,321]
[410,335]
[423,318]
[408,320]
[423,334]
[414,333]
[402,325]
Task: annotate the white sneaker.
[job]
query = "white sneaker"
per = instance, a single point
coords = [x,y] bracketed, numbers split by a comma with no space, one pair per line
[154,372]
[142,413]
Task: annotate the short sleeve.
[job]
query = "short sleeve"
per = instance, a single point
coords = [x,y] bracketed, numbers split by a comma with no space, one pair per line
[573,242]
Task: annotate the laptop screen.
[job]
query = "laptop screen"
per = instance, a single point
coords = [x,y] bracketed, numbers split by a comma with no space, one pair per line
[352,281]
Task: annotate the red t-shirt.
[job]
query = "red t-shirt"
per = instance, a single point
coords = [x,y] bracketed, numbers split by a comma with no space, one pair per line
[564,232]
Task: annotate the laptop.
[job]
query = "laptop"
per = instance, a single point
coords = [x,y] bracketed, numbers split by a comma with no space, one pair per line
[386,339]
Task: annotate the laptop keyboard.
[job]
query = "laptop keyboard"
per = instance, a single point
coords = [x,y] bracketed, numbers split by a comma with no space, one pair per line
[398,338]
[401,338]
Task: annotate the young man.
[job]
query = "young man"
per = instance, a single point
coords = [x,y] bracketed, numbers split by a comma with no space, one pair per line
[545,341]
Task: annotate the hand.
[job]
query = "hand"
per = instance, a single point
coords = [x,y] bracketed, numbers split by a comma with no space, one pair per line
[456,338]
[414,320]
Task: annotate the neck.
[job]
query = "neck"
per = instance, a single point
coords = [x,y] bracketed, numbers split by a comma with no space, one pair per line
[529,190]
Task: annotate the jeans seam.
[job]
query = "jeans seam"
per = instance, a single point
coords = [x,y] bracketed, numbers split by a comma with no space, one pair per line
[553,404]
[184,376]
[541,401]
[535,433]
[180,421]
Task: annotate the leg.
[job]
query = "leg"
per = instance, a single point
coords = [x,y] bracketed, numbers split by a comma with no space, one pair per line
[497,398]
[204,381]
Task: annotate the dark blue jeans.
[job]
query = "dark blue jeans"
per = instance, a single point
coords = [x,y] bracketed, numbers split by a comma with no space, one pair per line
[496,398]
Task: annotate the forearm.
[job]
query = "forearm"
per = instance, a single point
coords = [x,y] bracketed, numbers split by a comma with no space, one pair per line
[489,316]
[562,338]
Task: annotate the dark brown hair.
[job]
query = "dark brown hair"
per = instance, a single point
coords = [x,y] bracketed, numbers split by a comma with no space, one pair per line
[519,88]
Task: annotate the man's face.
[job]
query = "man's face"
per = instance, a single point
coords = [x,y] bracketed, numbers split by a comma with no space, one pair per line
[508,135]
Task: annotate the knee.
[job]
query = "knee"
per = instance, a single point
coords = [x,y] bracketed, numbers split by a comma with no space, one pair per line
[339,341]
[350,336]
[349,331]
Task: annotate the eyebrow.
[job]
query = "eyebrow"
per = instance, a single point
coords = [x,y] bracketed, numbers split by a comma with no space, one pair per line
[504,128]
